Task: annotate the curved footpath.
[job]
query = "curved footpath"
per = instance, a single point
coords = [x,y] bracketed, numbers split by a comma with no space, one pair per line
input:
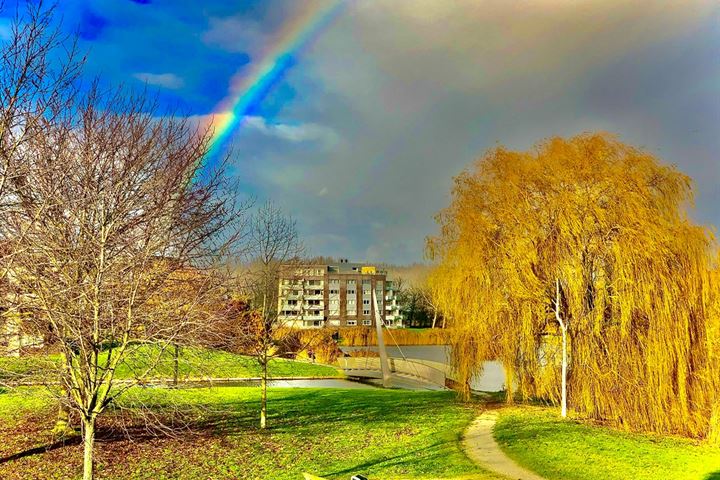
[480,445]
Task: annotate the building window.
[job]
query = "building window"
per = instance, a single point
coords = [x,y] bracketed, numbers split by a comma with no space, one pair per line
[351,292]
[366,302]
[351,323]
[367,322]
[351,302]
[352,313]
[334,282]
[335,323]
[366,312]
[334,292]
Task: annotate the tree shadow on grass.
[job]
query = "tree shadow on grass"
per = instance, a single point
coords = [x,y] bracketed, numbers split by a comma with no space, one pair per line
[302,412]
[713,476]
[316,410]
[74,440]
[406,458]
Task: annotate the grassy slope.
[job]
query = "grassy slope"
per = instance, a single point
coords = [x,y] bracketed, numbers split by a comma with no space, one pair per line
[539,440]
[385,434]
[193,363]
[212,363]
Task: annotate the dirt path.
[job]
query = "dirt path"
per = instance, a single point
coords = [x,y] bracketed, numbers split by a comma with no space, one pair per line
[480,445]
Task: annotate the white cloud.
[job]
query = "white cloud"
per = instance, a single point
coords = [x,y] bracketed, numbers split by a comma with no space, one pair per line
[166,80]
[235,34]
[243,33]
[305,132]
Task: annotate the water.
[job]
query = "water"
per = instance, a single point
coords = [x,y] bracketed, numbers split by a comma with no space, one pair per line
[368,384]
[491,380]
[324,383]
[300,383]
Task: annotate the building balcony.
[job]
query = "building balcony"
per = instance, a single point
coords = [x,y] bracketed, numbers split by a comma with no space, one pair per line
[313,317]
[314,297]
[312,323]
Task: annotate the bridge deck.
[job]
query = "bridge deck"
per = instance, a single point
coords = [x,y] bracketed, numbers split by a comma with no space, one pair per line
[369,367]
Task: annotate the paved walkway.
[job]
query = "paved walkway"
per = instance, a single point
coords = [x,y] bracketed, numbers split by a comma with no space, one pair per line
[481,447]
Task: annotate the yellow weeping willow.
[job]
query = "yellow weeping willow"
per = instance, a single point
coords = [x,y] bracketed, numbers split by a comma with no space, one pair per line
[603,227]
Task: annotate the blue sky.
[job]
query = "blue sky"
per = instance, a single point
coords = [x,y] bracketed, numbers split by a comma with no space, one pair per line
[360,139]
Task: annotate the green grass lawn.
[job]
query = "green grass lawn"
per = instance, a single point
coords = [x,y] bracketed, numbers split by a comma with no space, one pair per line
[196,362]
[193,363]
[384,434]
[539,440]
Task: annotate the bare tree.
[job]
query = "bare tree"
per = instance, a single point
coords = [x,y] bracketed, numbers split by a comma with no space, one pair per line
[428,301]
[38,69]
[131,214]
[273,245]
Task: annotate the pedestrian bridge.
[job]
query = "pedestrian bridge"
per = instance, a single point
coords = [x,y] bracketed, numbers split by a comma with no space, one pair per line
[434,373]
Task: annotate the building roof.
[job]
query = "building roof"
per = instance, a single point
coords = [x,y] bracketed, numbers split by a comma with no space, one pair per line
[345,267]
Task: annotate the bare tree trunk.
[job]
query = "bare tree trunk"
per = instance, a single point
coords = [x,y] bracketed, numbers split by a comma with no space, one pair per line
[434,318]
[563,328]
[263,396]
[62,423]
[88,441]
[263,380]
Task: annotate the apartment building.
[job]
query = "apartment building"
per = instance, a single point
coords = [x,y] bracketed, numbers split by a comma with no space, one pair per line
[336,295]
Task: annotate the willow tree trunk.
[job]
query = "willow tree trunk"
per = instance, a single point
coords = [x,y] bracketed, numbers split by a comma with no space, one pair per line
[563,329]
[263,396]
[509,371]
[563,408]
[88,442]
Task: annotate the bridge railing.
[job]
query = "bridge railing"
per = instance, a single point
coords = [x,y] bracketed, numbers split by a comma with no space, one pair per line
[399,366]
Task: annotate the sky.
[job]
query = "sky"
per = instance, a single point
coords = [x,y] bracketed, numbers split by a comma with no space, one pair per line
[360,134]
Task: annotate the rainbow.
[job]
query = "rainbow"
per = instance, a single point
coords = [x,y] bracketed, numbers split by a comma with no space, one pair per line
[248,88]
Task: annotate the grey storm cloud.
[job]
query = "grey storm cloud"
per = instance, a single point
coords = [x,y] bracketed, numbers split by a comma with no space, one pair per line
[413,91]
